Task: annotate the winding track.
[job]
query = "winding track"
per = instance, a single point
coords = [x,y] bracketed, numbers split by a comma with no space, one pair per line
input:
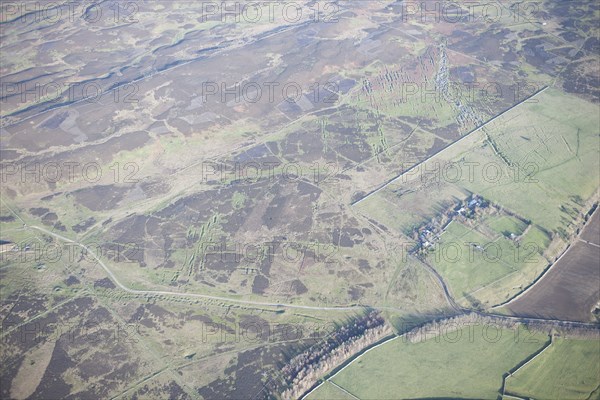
[182,294]
[455,306]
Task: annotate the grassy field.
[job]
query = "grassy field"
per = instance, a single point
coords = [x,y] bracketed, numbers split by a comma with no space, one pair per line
[507,224]
[460,364]
[328,391]
[568,369]
[534,161]
[484,267]
[549,150]
[411,209]
[531,160]
[462,266]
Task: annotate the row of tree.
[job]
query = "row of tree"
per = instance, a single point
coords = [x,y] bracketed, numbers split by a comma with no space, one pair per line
[304,370]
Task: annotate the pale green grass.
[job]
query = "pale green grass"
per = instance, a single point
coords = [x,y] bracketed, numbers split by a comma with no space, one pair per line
[489,269]
[328,391]
[554,141]
[470,367]
[568,369]
[506,223]
[404,211]
[466,267]
[537,237]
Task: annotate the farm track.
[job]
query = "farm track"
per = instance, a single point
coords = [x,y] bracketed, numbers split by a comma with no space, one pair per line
[445,288]
[181,294]
[456,307]
[460,310]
